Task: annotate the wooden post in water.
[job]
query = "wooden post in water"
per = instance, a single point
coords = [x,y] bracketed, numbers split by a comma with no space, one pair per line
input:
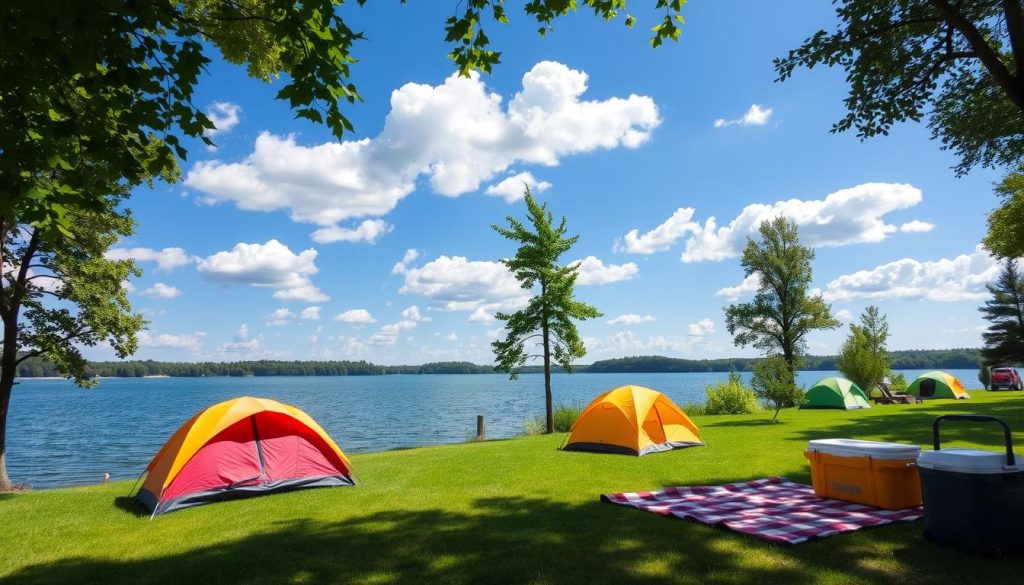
[480,427]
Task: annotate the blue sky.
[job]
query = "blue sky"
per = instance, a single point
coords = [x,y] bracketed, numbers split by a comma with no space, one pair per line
[283,243]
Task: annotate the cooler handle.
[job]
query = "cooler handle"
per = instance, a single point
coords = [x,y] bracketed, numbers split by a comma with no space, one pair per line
[1010,459]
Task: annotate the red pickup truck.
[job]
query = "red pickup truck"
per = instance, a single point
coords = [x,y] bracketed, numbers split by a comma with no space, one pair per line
[1006,379]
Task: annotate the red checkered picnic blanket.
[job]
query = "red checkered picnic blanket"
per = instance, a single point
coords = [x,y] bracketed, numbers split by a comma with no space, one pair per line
[773,509]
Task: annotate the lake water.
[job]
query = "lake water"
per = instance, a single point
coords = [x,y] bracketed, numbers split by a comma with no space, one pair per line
[60,435]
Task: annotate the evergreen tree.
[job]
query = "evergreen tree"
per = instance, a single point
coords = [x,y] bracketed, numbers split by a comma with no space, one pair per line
[863,357]
[549,316]
[1004,339]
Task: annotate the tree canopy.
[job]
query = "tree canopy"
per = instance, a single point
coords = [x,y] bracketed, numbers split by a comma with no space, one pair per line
[863,357]
[551,313]
[959,63]
[113,81]
[59,295]
[782,312]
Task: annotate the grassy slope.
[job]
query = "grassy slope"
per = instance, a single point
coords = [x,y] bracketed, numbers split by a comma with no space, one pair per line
[502,511]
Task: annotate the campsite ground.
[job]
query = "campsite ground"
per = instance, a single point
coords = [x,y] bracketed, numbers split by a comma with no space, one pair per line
[516,511]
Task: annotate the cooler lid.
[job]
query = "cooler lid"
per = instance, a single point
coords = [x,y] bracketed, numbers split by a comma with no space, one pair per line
[976,461]
[859,448]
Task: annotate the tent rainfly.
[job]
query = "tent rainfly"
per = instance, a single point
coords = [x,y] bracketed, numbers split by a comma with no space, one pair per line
[632,420]
[938,384]
[834,392]
[238,448]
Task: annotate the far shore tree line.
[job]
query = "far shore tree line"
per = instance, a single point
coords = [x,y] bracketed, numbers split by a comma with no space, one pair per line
[110,107]
[925,359]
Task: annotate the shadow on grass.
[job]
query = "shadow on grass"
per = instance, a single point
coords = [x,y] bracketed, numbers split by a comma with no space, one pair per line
[527,540]
[132,506]
[913,424]
[765,422]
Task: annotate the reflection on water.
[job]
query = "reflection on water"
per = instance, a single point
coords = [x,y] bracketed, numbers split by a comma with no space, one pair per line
[61,435]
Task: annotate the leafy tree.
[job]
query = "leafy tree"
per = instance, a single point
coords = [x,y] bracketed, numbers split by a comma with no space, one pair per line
[782,313]
[549,316]
[1005,238]
[962,63]
[96,80]
[1004,339]
[984,374]
[863,357]
[57,295]
[773,383]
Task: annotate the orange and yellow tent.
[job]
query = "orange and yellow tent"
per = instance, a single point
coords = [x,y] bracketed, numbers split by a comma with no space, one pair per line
[242,447]
[632,420]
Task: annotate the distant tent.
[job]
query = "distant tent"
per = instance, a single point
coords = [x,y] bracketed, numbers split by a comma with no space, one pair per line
[238,448]
[937,384]
[632,420]
[833,392]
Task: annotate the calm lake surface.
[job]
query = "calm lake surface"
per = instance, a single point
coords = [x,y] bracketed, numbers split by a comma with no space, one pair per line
[61,435]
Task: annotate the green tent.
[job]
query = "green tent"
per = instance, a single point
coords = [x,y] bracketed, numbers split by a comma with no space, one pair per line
[833,392]
[937,384]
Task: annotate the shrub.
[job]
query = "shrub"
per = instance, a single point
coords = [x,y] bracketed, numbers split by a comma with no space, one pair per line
[694,408]
[898,383]
[564,414]
[730,397]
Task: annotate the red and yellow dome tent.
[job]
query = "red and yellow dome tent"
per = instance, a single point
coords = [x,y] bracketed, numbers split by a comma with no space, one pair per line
[238,448]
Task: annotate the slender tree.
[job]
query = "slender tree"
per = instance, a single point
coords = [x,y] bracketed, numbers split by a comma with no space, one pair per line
[782,313]
[548,321]
[863,357]
[1004,339]
[58,295]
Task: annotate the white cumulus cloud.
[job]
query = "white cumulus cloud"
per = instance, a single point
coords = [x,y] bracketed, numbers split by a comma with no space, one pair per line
[631,319]
[242,343]
[166,259]
[844,315]
[224,115]
[513,188]
[355,316]
[369,231]
[948,279]
[660,238]
[591,270]
[917,226]
[458,284]
[848,216]
[280,317]
[161,291]
[271,265]
[310,313]
[402,265]
[701,328]
[457,134]
[746,288]
[190,342]
[755,116]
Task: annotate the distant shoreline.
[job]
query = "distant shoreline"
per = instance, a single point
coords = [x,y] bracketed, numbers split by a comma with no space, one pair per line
[959,359]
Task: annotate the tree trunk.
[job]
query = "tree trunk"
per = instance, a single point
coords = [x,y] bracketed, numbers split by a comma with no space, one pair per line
[6,384]
[547,381]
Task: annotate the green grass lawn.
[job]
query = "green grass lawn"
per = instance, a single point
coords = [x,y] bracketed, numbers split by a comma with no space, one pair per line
[516,511]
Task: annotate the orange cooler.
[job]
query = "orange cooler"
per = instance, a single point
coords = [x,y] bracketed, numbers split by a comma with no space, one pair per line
[878,474]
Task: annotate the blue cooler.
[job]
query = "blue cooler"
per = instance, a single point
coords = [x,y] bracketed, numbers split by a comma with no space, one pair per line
[973,499]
